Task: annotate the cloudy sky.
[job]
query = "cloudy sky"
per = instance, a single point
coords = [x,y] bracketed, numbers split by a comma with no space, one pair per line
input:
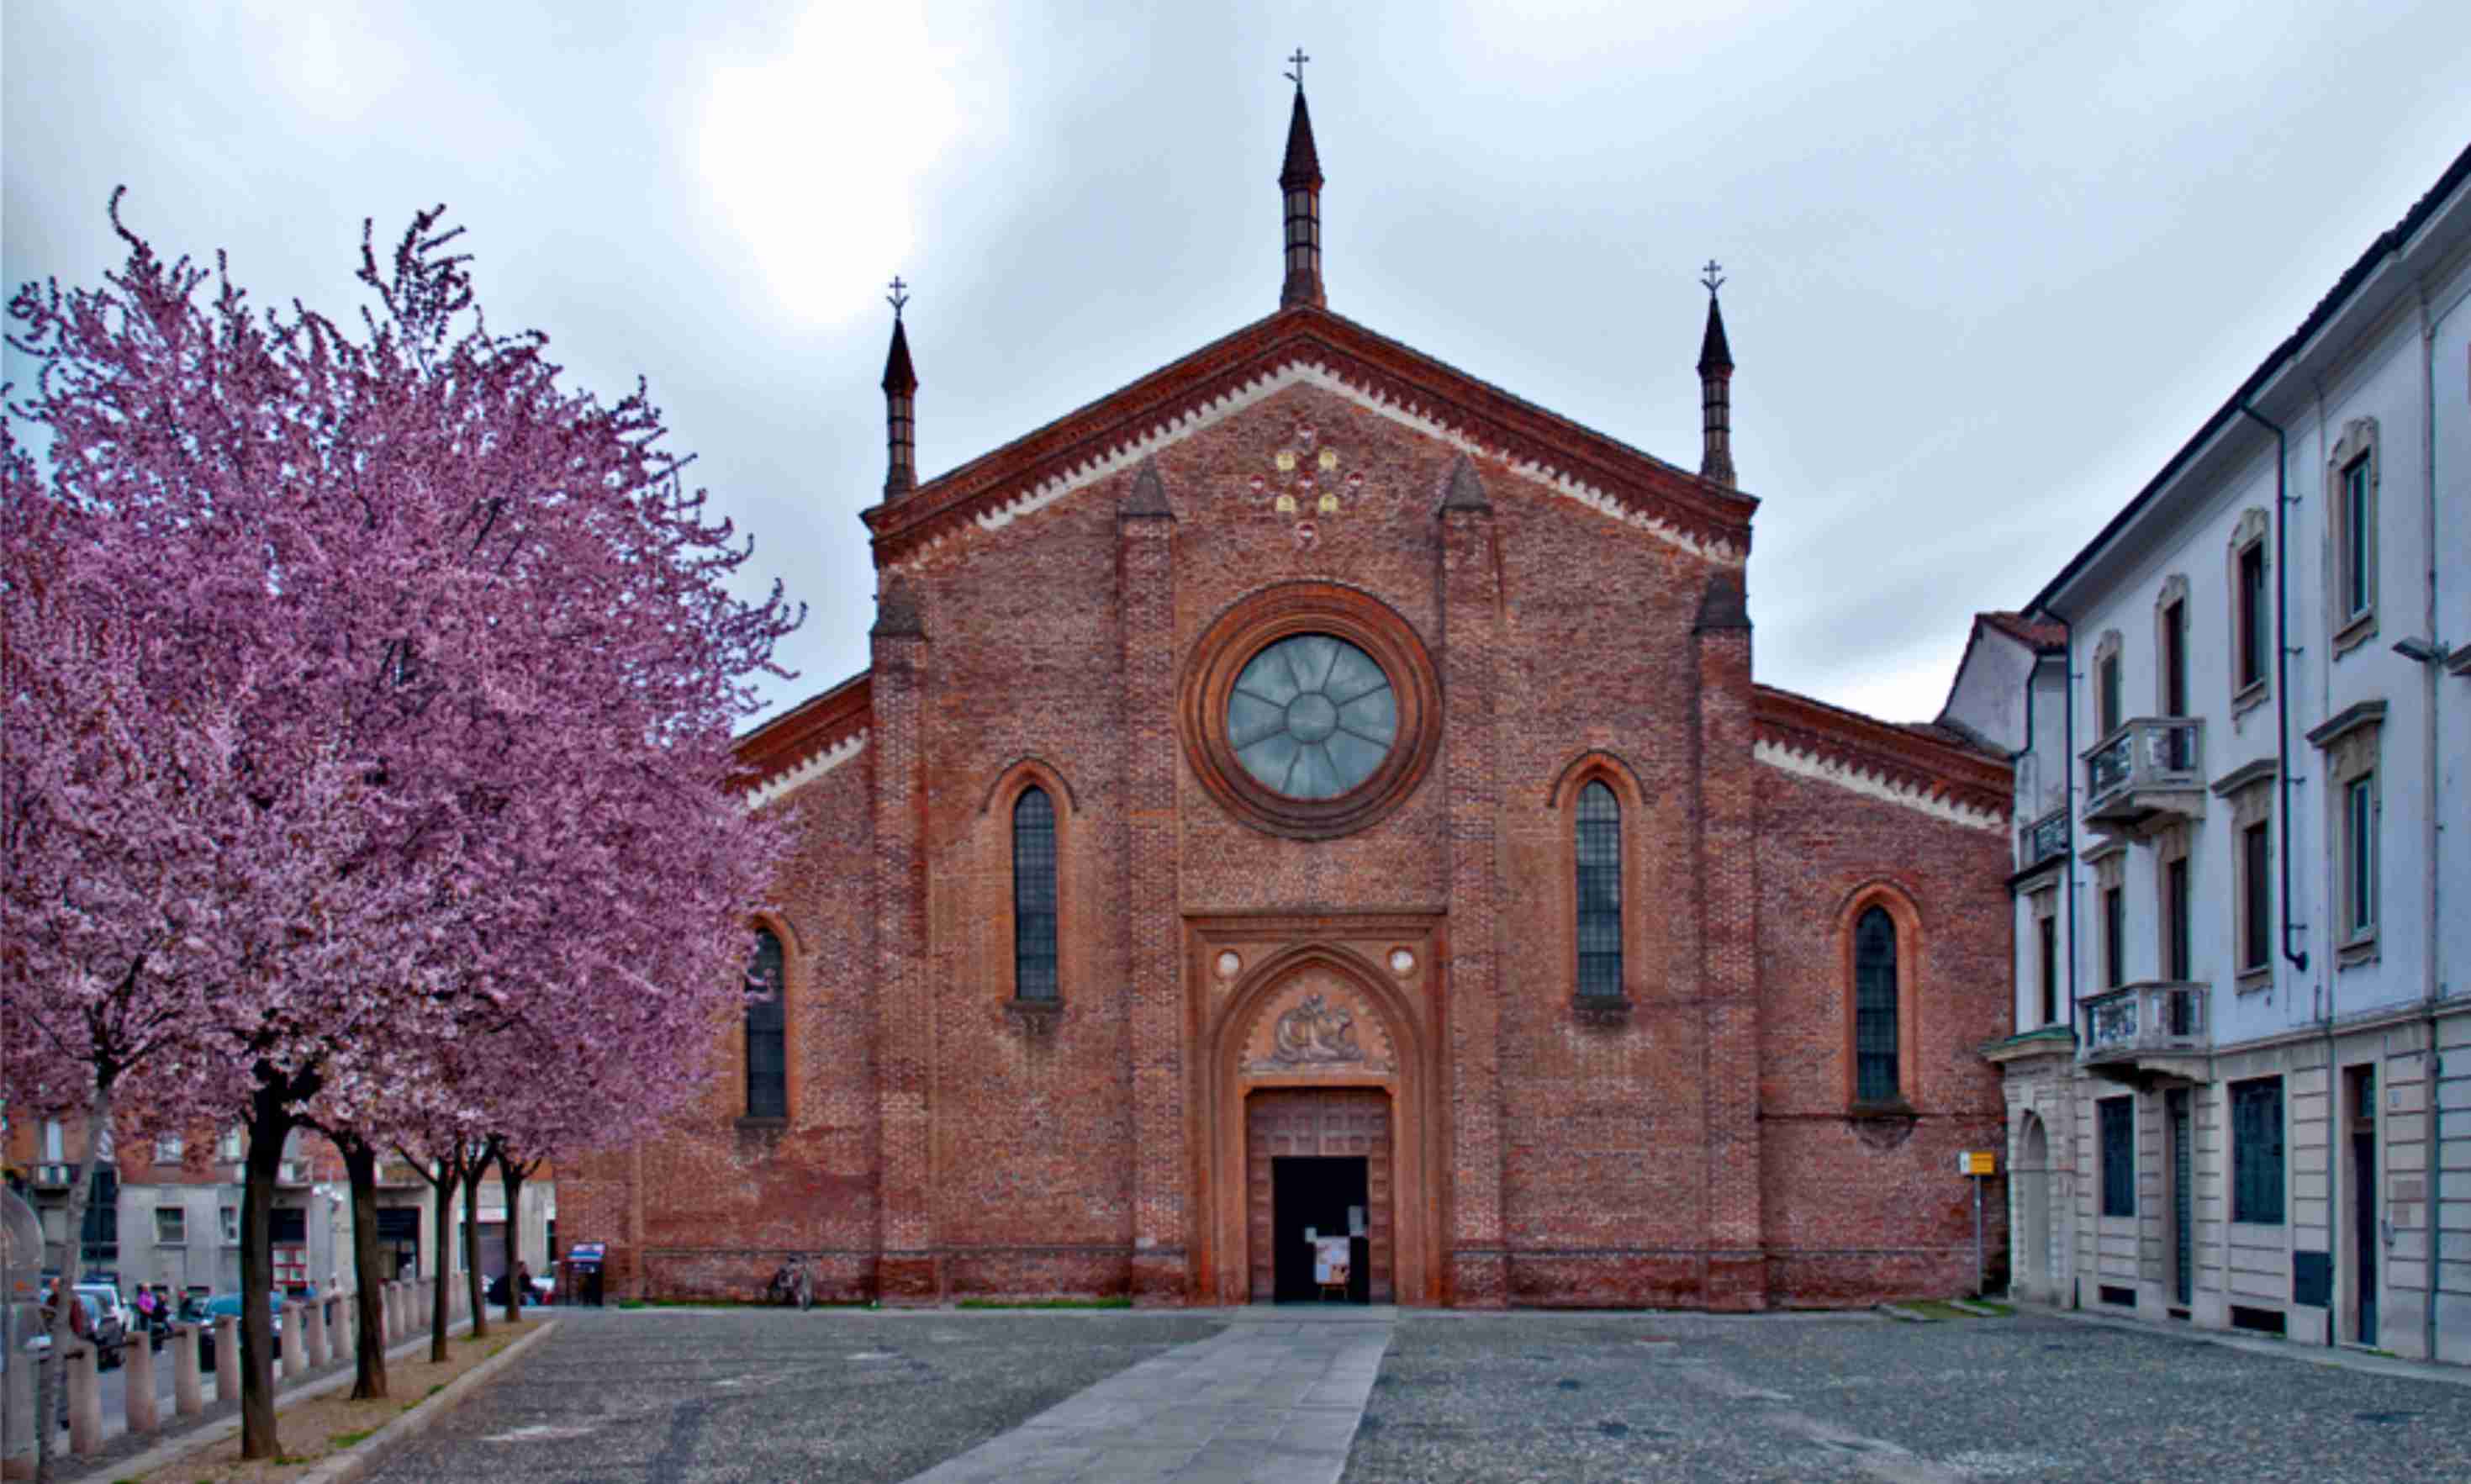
[1989,265]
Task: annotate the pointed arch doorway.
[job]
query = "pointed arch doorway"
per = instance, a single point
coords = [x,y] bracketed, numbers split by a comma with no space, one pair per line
[1314,1119]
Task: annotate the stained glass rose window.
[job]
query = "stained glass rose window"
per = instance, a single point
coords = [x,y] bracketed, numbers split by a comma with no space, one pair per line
[1312,717]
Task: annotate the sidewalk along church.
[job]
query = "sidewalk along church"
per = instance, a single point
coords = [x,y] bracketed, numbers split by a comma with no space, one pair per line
[1312,792]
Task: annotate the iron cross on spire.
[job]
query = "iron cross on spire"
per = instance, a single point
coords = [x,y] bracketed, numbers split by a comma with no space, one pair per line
[899,295]
[1297,77]
[1710,276]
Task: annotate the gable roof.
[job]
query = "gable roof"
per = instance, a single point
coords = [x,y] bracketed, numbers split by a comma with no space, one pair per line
[1309,345]
[1922,766]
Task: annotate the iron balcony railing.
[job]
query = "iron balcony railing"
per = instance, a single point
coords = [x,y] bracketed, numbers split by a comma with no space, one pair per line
[2166,752]
[2157,1016]
[2044,840]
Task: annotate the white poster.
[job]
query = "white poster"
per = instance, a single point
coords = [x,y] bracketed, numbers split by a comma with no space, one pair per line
[1331,1260]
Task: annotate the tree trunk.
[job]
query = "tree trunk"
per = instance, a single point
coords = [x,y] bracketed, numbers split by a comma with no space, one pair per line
[369,1357]
[441,1225]
[511,1179]
[51,1379]
[270,1124]
[474,1168]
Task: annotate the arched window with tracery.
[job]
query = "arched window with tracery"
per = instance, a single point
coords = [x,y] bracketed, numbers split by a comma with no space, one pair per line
[1033,896]
[767,1024]
[1599,892]
[1874,1007]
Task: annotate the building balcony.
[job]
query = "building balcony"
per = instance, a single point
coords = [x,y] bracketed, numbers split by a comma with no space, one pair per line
[2044,840]
[2154,1027]
[294,1172]
[2149,773]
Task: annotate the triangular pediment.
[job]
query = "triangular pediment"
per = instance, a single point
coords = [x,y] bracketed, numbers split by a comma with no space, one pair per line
[1306,346]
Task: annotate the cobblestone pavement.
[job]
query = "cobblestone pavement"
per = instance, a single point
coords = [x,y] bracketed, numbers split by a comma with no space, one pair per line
[763,1396]
[683,1398]
[1521,1397]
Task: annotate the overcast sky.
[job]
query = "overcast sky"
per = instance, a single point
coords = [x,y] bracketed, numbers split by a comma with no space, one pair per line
[1989,265]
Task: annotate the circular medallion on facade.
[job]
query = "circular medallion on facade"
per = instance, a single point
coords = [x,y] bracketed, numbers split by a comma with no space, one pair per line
[1312,717]
[1311,710]
[1229,962]
[1402,962]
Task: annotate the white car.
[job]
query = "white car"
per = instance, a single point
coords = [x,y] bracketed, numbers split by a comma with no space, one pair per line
[109,1298]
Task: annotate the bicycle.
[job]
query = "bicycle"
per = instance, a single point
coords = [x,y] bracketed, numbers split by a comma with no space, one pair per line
[793,1283]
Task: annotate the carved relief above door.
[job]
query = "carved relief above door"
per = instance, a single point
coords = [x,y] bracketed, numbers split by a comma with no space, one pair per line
[1317,1024]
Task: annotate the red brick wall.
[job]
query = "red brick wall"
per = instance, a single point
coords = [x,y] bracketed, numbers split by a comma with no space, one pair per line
[1851,1221]
[1648,1161]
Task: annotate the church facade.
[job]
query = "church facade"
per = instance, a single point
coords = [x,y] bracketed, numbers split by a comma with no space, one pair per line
[1312,804]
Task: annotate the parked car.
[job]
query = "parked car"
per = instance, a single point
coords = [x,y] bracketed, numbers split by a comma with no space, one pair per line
[542,1288]
[106,1292]
[109,1337]
[203,1312]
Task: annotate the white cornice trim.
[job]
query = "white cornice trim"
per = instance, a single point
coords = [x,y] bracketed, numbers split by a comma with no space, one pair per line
[1875,785]
[1312,374]
[783,784]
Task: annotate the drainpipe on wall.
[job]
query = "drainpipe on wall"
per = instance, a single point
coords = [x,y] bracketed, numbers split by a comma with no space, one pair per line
[2435,986]
[2282,782]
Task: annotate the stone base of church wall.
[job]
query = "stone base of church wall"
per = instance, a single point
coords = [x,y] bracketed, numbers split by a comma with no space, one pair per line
[1038,1273]
[1161,1279]
[1857,1280]
[909,1279]
[1479,1280]
[1605,1280]
[740,1274]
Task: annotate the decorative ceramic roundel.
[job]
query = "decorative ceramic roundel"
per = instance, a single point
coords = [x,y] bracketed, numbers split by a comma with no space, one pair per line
[1312,717]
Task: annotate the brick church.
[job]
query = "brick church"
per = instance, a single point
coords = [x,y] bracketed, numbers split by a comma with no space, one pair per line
[1310,790]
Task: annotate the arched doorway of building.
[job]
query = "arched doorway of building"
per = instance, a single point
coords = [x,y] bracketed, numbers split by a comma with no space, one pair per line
[1317,1119]
[2031,1173]
[1319,1183]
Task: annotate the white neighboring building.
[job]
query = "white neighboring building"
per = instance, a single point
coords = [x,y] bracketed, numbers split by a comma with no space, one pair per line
[2240,1089]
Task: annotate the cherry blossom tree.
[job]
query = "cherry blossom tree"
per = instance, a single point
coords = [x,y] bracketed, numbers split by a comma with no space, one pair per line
[408,647]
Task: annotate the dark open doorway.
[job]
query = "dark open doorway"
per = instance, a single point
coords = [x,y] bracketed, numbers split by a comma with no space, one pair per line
[1327,1198]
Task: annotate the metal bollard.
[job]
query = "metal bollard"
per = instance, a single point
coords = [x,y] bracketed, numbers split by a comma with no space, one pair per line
[85,1401]
[188,1397]
[137,1383]
[312,1338]
[295,1346]
[227,1357]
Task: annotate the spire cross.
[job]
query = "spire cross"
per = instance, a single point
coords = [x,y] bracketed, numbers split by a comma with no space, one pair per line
[1710,277]
[899,295]
[1297,77]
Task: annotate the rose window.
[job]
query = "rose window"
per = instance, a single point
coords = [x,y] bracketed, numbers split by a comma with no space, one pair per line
[1312,717]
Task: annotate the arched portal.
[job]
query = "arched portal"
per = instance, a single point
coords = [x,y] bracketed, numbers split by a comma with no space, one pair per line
[2031,1173]
[1316,1062]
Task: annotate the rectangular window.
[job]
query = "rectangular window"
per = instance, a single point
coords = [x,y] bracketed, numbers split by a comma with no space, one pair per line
[2174,660]
[2256,1151]
[2355,538]
[2359,851]
[2251,615]
[229,1217]
[2257,939]
[2115,936]
[171,1226]
[231,1143]
[2118,1134]
[168,1150]
[54,1143]
[2175,946]
[2108,702]
[2050,934]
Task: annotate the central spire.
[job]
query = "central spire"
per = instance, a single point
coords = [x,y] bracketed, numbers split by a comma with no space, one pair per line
[1299,185]
[1715,389]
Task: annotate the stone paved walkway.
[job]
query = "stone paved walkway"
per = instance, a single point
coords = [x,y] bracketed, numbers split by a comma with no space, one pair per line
[1276,1397]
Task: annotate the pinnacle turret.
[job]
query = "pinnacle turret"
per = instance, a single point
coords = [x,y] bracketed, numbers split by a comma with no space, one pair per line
[900,405]
[1300,189]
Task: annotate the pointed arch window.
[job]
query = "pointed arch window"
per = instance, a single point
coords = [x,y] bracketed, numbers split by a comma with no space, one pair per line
[1599,892]
[767,1024]
[1033,895]
[1874,1007]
